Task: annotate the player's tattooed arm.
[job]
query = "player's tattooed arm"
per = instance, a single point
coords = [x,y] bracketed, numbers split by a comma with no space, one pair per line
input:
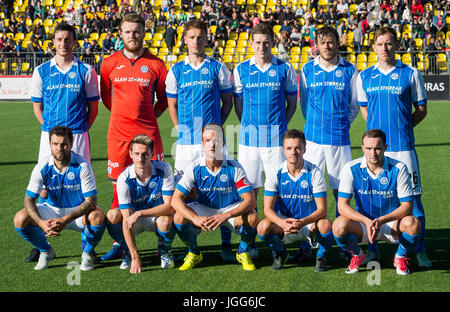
[30,207]
[89,204]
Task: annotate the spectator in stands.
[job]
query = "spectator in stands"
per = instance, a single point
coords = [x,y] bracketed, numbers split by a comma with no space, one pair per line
[190,16]
[332,17]
[49,52]
[89,57]
[386,6]
[18,50]
[396,22]
[39,31]
[343,44]
[2,40]
[118,43]
[314,4]
[12,27]
[296,37]
[289,15]
[321,16]
[33,46]
[2,26]
[342,28]
[417,29]
[170,37]
[439,22]
[95,47]
[278,15]
[358,39]
[22,25]
[108,44]
[362,9]
[406,43]
[286,27]
[107,24]
[351,20]
[39,11]
[255,19]
[432,52]
[342,9]
[306,38]
[86,45]
[417,9]
[267,18]
[299,12]
[406,15]
[97,25]
[221,31]
[233,24]
[440,43]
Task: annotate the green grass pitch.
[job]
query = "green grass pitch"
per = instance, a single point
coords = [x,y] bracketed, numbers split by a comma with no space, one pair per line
[20,133]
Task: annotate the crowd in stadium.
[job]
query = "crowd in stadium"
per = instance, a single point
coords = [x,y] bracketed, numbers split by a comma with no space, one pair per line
[421,24]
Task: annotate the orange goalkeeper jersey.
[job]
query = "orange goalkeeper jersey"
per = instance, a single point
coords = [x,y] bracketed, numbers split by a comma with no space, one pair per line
[128,89]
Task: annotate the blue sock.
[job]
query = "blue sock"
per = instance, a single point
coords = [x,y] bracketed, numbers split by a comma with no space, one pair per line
[406,244]
[187,235]
[116,233]
[273,241]
[373,247]
[325,242]
[94,234]
[336,200]
[348,242]
[35,236]
[225,235]
[419,213]
[167,239]
[248,235]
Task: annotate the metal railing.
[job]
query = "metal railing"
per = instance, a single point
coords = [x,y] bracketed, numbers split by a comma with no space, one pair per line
[431,62]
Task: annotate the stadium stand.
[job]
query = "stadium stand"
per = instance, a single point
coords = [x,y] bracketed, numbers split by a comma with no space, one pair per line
[26,27]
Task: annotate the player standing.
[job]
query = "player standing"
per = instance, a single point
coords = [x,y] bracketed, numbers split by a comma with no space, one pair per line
[224,196]
[265,94]
[71,203]
[328,98]
[295,204]
[64,92]
[128,83]
[387,93]
[383,199]
[195,87]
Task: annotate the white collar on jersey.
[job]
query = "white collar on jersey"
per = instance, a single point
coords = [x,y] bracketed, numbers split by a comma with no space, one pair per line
[284,169]
[51,162]
[385,166]
[133,172]
[74,61]
[397,64]
[272,61]
[186,62]
[330,69]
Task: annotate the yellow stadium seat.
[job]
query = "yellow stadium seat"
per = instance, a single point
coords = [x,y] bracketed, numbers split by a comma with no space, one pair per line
[442,61]
[351,58]
[213,28]
[361,58]
[233,36]
[361,66]
[242,43]
[243,36]
[158,36]
[231,43]
[230,50]
[406,58]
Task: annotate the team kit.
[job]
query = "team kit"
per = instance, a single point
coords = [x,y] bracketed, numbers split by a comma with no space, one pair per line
[207,189]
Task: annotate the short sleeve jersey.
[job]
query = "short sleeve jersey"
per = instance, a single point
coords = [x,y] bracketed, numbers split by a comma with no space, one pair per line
[64,94]
[264,92]
[389,97]
[295,195]
[329,101]
[67,188]
[197,90]
[129,89]
[215,189]
[133,193]
[376,195]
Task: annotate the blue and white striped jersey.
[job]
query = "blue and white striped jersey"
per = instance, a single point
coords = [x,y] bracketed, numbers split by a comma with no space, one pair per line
[215,189]
[64,94]
[376,195]
[329,103]
[67,188]
[137,195]
[389,97]
[296,194]
[197,90]
[263,92]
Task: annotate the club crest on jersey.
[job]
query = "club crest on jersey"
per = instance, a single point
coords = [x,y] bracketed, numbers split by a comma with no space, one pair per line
[304,184]
[394,76]
[339,73]
[70,176]
[152,185]
[272,73]
[72,75]
[223,178]
[384,180]
[205,71]
[144,69]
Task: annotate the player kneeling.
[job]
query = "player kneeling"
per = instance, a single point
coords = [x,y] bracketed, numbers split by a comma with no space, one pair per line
[145,191]
[295,204]
[71,203]
[383,196]
[224,196]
